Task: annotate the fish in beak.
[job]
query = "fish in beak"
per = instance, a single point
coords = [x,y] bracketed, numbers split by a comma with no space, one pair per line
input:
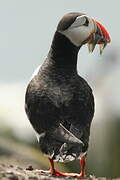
[99,36]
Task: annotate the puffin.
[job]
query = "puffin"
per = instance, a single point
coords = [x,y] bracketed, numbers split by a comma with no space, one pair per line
[59,103]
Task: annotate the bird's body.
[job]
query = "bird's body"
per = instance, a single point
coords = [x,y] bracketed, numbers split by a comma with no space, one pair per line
[56,96]
[59,103]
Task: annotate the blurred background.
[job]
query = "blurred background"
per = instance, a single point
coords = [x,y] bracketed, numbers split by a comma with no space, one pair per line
[26,31]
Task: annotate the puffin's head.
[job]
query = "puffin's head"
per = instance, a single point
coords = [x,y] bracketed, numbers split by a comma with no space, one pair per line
[81,29]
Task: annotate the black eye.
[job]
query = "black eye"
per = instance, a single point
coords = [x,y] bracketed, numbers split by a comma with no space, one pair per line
[86,22]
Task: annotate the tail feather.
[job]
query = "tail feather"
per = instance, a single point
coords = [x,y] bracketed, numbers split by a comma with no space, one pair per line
[70,149]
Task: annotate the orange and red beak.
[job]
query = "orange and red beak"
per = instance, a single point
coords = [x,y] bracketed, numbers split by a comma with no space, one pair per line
[100,36]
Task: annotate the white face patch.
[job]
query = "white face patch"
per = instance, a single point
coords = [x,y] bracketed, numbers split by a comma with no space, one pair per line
[80,20]
[78,32]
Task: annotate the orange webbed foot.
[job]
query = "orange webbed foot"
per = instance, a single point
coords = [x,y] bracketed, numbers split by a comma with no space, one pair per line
[58,173]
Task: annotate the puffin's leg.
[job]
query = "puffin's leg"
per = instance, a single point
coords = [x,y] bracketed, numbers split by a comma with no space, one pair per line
[82,167]
[52,170]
